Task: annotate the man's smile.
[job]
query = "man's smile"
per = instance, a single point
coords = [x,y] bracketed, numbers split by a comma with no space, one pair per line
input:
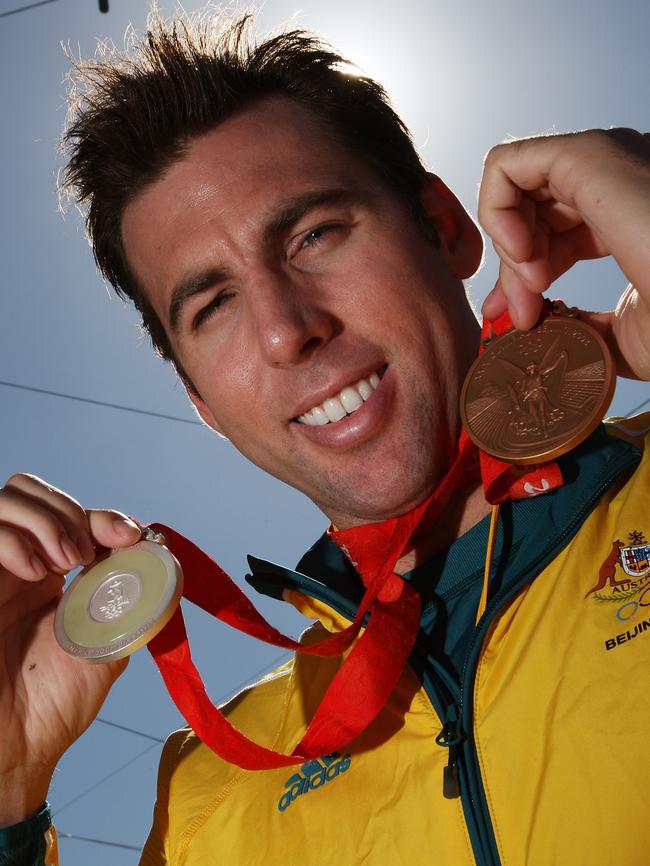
[343,402]
[333,424]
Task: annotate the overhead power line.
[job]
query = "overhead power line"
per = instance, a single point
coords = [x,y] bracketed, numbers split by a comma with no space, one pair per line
[233,690]
[636,408]
[251,678]
[63,396]
[106,778]
[129,730]
[147,412]
[98,841]
[25,8]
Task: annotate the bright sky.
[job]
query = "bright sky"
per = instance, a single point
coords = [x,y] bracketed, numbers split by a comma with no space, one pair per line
[464,76]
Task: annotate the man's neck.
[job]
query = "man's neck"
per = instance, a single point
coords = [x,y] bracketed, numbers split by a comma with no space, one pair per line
[467,507]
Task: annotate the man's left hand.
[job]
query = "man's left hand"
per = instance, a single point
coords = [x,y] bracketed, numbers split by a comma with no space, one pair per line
[551,201]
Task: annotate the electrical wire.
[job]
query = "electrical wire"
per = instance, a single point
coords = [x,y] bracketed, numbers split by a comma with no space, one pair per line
[25,8]
[101,403]
[151,414]
[251,678]
[130,730]
[233,690]
[636,408]
[106,778]
[98,841]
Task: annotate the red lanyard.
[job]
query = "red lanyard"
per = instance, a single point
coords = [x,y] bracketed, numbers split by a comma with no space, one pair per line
[366,677]
[370,671]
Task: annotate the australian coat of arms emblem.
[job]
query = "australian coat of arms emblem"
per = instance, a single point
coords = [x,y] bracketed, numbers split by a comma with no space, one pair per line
[634,561]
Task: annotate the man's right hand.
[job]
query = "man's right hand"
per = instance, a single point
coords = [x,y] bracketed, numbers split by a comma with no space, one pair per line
[47,698]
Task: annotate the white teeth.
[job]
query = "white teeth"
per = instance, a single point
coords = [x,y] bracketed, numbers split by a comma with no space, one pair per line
[334,409]
[319,416]
[364,388]
[351,399]
[347,401]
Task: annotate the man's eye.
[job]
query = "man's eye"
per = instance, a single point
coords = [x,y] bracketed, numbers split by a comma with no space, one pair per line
[315,237]
[210,309]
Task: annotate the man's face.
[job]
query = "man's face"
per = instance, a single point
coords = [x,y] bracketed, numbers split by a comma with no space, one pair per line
[287,274]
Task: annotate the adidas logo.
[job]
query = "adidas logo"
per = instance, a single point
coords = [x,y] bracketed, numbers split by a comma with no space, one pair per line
[313,774]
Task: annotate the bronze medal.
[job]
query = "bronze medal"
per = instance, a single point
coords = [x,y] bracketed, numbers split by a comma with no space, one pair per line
[534,395]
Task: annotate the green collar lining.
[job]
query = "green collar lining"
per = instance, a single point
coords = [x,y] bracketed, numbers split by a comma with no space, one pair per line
[325,573]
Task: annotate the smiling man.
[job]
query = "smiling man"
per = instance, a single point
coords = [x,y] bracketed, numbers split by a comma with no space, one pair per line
[268,214]
[310,318]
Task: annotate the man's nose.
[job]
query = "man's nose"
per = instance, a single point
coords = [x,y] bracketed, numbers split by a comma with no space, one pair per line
[292,320]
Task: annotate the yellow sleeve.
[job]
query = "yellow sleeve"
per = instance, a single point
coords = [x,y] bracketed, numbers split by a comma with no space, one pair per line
[154,852]
[156,848]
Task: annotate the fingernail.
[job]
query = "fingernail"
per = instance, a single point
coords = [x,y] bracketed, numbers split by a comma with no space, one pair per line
[124,527]
[70,551]
[38,566]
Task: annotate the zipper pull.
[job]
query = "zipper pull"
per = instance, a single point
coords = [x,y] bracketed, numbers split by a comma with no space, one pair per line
[450,786]
[450,737]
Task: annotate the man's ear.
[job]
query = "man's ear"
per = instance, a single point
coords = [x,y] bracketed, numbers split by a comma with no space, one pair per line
[206,415]
[461,243]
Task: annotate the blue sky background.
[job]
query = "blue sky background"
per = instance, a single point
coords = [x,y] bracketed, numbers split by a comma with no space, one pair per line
[465,75]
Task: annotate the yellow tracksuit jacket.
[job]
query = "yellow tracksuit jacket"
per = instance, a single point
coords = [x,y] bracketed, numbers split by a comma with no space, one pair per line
[544,731]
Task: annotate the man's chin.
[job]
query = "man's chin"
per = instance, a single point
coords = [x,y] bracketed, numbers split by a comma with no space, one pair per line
[375,499]
[387,477]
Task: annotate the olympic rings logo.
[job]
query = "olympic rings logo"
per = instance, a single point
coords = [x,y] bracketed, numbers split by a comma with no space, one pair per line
[626,611]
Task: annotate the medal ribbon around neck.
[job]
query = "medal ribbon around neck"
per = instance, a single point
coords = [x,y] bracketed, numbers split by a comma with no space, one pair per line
[366,677]
[371,670]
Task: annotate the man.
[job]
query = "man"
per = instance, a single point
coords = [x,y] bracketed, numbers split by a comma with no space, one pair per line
[290,255]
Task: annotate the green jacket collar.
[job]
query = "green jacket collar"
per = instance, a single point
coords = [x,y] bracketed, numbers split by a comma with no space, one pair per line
[325,573]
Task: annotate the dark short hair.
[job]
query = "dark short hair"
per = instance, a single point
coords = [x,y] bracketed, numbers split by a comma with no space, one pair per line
[133,112]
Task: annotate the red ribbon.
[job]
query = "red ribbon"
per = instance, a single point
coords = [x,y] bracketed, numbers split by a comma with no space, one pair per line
[355,695]
[365,679]
[370,672]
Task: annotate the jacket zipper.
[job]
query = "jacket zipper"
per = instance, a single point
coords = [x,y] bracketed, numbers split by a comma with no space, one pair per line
[444,694]
[462,775]
[451,736]
[476,791]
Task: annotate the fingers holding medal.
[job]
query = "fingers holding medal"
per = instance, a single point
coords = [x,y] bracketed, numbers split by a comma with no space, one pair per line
[44,534]
[122,597]
[548,202]
[120,602]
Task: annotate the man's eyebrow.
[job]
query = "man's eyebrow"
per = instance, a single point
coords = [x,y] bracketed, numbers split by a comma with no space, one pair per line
[293,209]
[192,285]
[286,215]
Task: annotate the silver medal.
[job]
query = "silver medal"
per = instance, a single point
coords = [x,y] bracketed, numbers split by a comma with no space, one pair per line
[120,602]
